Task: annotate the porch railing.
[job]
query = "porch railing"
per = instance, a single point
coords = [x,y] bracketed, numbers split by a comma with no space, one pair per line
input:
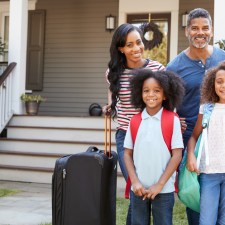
[6,110]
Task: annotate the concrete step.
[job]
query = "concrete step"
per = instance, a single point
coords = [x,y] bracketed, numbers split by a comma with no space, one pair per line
[50,133]
[28,159]
[25,174]
[46,146]
[59,121]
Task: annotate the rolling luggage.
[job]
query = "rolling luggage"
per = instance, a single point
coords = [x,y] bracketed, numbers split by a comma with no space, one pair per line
[84,186]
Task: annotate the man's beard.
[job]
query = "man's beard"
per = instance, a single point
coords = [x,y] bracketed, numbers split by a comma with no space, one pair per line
[199,45]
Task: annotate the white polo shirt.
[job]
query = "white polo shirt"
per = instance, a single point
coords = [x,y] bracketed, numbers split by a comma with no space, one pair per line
[151,154]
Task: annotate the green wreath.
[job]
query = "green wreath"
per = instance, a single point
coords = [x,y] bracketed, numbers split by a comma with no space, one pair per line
[156,35]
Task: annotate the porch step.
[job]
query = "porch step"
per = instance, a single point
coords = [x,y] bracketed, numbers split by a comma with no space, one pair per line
[56,133]
[33,144]
[26,174]
[59,121]
[49,146]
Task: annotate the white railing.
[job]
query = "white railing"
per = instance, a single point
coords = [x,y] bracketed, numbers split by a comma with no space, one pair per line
[6,110]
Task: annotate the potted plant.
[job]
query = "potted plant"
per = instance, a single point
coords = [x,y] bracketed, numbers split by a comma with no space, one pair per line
[32,103]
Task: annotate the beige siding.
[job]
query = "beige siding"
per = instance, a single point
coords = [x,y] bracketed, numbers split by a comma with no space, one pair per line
[187,6]
[76,54]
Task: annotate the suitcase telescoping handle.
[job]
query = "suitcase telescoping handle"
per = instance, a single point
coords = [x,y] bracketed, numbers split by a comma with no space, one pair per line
[107,149]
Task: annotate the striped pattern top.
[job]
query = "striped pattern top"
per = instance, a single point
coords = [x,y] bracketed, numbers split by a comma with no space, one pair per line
[124,108]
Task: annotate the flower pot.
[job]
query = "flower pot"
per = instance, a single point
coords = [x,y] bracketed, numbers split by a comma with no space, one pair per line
[32,107]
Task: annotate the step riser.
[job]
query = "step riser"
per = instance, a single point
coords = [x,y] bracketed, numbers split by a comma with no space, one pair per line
[52,134]
[31,161]
[26,176]
[42,147]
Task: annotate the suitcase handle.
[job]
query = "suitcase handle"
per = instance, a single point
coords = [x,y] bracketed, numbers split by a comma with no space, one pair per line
[93,149]
[107,150]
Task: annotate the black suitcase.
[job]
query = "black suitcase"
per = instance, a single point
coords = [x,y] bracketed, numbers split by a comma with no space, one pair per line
[84,188]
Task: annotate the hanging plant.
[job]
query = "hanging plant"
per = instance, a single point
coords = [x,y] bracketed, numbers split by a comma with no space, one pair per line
[155,36]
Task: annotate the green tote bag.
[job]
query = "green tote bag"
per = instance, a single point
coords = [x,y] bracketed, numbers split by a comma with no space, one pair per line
[188,185]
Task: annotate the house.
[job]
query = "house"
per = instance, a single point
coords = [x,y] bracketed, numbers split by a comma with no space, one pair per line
[61,50]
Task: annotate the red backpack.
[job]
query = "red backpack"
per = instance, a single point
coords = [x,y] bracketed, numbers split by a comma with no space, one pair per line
[167,123]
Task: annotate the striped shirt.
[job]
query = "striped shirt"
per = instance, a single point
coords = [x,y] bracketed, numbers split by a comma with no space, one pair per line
[124,108]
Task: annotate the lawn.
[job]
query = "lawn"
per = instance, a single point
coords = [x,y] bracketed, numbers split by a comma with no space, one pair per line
[7,192]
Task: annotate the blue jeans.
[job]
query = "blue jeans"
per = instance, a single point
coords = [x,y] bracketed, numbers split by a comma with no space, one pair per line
[161,206]
[212,206]
[120,136]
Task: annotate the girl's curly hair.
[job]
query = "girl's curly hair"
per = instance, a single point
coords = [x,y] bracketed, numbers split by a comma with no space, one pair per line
[118,60]
[208,93]
[171,84]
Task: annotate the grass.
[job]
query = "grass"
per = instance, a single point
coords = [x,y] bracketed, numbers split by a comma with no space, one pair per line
[179,214]
[7,192]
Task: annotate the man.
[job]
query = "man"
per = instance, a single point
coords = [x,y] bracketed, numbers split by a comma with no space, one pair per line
[191,65]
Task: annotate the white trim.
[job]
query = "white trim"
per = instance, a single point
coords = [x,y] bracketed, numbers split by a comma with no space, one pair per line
[17,49]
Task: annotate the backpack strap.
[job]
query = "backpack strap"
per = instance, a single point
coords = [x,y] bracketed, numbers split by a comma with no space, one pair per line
[134,125]
[167,123]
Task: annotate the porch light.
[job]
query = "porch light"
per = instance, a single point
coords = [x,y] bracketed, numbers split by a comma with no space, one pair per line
[184,19]
[110,23]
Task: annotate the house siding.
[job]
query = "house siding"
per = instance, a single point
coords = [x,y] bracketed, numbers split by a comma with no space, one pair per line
[76,55]
[187,6]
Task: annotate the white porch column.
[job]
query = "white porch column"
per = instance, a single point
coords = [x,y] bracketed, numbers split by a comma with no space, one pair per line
[18,48]
[219,18]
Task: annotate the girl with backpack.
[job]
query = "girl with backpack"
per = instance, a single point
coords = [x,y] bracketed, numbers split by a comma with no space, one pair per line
[212,166]
[150,160]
